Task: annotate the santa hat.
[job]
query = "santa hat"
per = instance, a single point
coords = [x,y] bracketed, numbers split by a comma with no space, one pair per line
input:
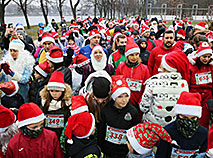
[47,37]
[75,29]
[119,86]
[55,35]
[73,25]
[55,54]
[116,35]
[56,81]
[164,21]
[80,125]
[78,18]
[80,60]
[144,29]
[79,105]
[181,34]
[201,26]
[7,118]
[189,23]
[209,35]
[94,33]
[10,88]
[189,104]
[131,47]
[29,113]
[180,25]
[67,34]
[144,136]
[43,69]
[210,143]
[17,44]
[111,22]
[135,23]
[203,49]
[63,37]
[176,61]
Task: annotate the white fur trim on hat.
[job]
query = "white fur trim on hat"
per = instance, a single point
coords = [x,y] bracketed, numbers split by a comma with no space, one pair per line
[17,88]
[166,66]
[80,109]
[134,143]
[205,51]
[131,51]
[83,63]
[55,84]
[180,36]
[31,120]
[116,36]
[120,91]
[17,45]
[91,129]
[4,129]
[188,110]
[90,37]
[200,27]
[55,60]
[42,72]
[47,39]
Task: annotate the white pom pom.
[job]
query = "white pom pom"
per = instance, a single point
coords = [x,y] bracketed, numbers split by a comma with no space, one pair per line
[70,141]
[210,152]
[119,82]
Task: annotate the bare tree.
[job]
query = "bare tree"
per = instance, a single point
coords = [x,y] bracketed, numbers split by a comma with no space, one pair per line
[23,4]
[74,7]
[44,8]
[3,4]
[59,5]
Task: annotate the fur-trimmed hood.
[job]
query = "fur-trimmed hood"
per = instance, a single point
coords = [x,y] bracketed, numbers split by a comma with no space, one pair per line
[67,94]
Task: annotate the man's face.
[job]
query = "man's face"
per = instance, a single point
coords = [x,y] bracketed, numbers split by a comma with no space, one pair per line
[146,34]
[47,45]
[95,40]
[168,40]
[122,42]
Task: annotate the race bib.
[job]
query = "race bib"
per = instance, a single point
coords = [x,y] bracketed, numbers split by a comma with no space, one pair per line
[180,153]
[115,135]
[134,85]
[54,121]
[203,78]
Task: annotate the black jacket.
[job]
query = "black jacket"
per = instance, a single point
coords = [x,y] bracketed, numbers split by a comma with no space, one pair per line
[144,53]
[67,75]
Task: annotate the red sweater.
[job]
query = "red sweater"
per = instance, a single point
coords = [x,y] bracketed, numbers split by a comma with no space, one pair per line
[136,76]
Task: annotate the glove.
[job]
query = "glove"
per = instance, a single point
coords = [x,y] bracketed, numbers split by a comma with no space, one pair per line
[7,70]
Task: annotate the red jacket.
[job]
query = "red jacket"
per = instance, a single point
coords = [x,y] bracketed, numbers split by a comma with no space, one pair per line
[150,45]
[136,76]
[200,82]
[44,146]
[156,56]
[180,44]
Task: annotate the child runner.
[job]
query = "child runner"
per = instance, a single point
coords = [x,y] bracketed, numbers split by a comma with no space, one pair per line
[116,117]
[56,100]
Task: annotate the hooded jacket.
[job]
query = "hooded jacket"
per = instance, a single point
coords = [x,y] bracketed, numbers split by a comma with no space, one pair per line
[144,53]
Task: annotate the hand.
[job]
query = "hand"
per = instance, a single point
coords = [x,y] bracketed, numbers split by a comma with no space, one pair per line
[8,32]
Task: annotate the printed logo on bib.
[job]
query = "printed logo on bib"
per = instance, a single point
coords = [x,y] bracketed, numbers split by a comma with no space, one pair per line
[54,121]
[180,153]
[134,85]
[115,135]
[203,78]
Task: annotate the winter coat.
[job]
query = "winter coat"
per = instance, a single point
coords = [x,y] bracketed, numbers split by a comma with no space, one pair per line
[144,53]
[113,119]
[150,45]
[44,146]
[160,96]
[67,75]
[201,81]
[180,44]
[82,148]
[136,77]
[156,56]
[116,58]
[89,69]
[198,143]
[56,111]
[76,81]
[22,67]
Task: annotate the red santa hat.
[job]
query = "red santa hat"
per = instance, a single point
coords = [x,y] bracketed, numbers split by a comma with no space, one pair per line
[203,49]
[63,37]
[78,18]
[189,104]
[80,125]
[131,47]
[47,37]
[80,60]
[201,26]
[176,61]
[79,105]
[135,23]
[7,118]
[164,21]
[55,35]
[56,81]
[94,33]
[181,34]
[209,151]
[119,86]
[29,113]
[55,55]
[144,136]
[43,69]
[115,35]
[209,35]
[144,29]
[73,25]
[180,25]
[111,23]
[189,23]
[10,88]
[75,29]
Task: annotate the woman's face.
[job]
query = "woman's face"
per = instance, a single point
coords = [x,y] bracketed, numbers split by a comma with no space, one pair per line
[14,53]
[143,44]
[98,54]
[55,94]
[205,58]
[133,58]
